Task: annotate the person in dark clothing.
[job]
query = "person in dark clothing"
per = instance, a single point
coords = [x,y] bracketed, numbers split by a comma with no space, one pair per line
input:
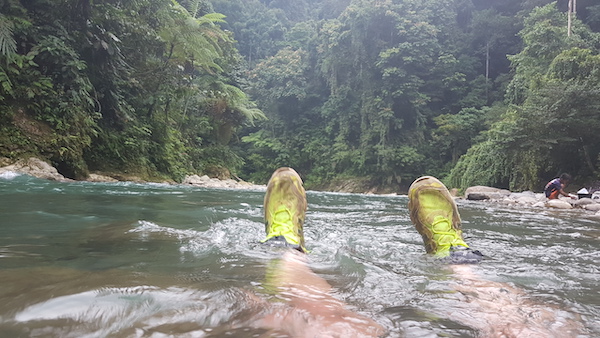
[556,187]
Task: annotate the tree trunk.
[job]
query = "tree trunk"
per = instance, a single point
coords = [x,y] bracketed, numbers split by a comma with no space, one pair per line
[569,20]
[588,158]
[487,70]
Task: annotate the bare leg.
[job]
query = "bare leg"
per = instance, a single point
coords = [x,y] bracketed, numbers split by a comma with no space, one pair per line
[309,309]
[305,306]
[495,309]
[500,310]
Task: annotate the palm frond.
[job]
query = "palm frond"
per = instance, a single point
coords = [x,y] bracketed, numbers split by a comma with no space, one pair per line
[8,45]
[238,101]
[198,39]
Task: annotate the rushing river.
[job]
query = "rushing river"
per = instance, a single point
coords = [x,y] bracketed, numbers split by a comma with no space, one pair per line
[145,260]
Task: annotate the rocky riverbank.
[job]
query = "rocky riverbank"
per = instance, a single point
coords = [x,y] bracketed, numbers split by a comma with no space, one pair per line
[41,169]
[529,199]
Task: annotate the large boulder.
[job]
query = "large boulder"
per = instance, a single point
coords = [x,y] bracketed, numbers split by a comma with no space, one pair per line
[559,204]
[592,207]
[196,180]
[480,192]
[525,198]
[36,168]
[583,202]
[475,196]
[207,182]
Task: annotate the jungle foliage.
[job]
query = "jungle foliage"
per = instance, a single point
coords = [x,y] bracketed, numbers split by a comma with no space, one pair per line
[489,92]
[149,87]
[479,92]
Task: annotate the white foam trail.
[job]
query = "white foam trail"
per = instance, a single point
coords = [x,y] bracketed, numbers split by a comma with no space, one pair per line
[145,228]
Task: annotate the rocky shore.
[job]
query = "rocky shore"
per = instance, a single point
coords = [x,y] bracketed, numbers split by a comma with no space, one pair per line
[41,169]
[529,199]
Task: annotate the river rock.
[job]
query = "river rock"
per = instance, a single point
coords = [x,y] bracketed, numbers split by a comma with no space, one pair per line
[480,192]
[539,204]
[36,168]
[592,207]
[207,182]
[583,201]
[508,201]
[517,195]
[4,161]
[475,196]
[100,178]
[559,204]
[196,180]
[229,183]
[527,200]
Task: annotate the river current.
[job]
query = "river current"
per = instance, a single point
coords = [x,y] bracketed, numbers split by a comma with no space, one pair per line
[82,259]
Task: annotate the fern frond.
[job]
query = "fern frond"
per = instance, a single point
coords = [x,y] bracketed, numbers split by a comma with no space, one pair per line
[238,101]
[8,45]
[213,18]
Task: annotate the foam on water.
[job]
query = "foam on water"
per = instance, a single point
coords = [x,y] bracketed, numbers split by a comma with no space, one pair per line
[9,175]
[112,259]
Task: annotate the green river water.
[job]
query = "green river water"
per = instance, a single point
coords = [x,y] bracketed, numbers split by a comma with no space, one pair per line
[147,260]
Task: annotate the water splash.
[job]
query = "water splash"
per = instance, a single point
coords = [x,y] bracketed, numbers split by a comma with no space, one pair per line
[9,175]
[109,259]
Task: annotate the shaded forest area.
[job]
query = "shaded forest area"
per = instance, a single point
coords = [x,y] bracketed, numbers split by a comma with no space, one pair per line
[490,92]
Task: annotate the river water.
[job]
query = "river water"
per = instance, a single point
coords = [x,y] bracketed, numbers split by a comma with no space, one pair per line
[147,260]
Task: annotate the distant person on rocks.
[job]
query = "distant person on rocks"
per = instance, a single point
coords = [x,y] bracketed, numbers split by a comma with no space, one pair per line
[556,187]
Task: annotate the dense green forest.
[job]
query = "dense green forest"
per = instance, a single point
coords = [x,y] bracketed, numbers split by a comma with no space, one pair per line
[493,92]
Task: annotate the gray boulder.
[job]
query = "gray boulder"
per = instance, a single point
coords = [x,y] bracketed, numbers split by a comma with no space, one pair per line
[559,204]
[592,207]
[517,195]
[527,200]
[196,180]
[36,168]
[475,196]
[583,201]
[207,182]
[480,192]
